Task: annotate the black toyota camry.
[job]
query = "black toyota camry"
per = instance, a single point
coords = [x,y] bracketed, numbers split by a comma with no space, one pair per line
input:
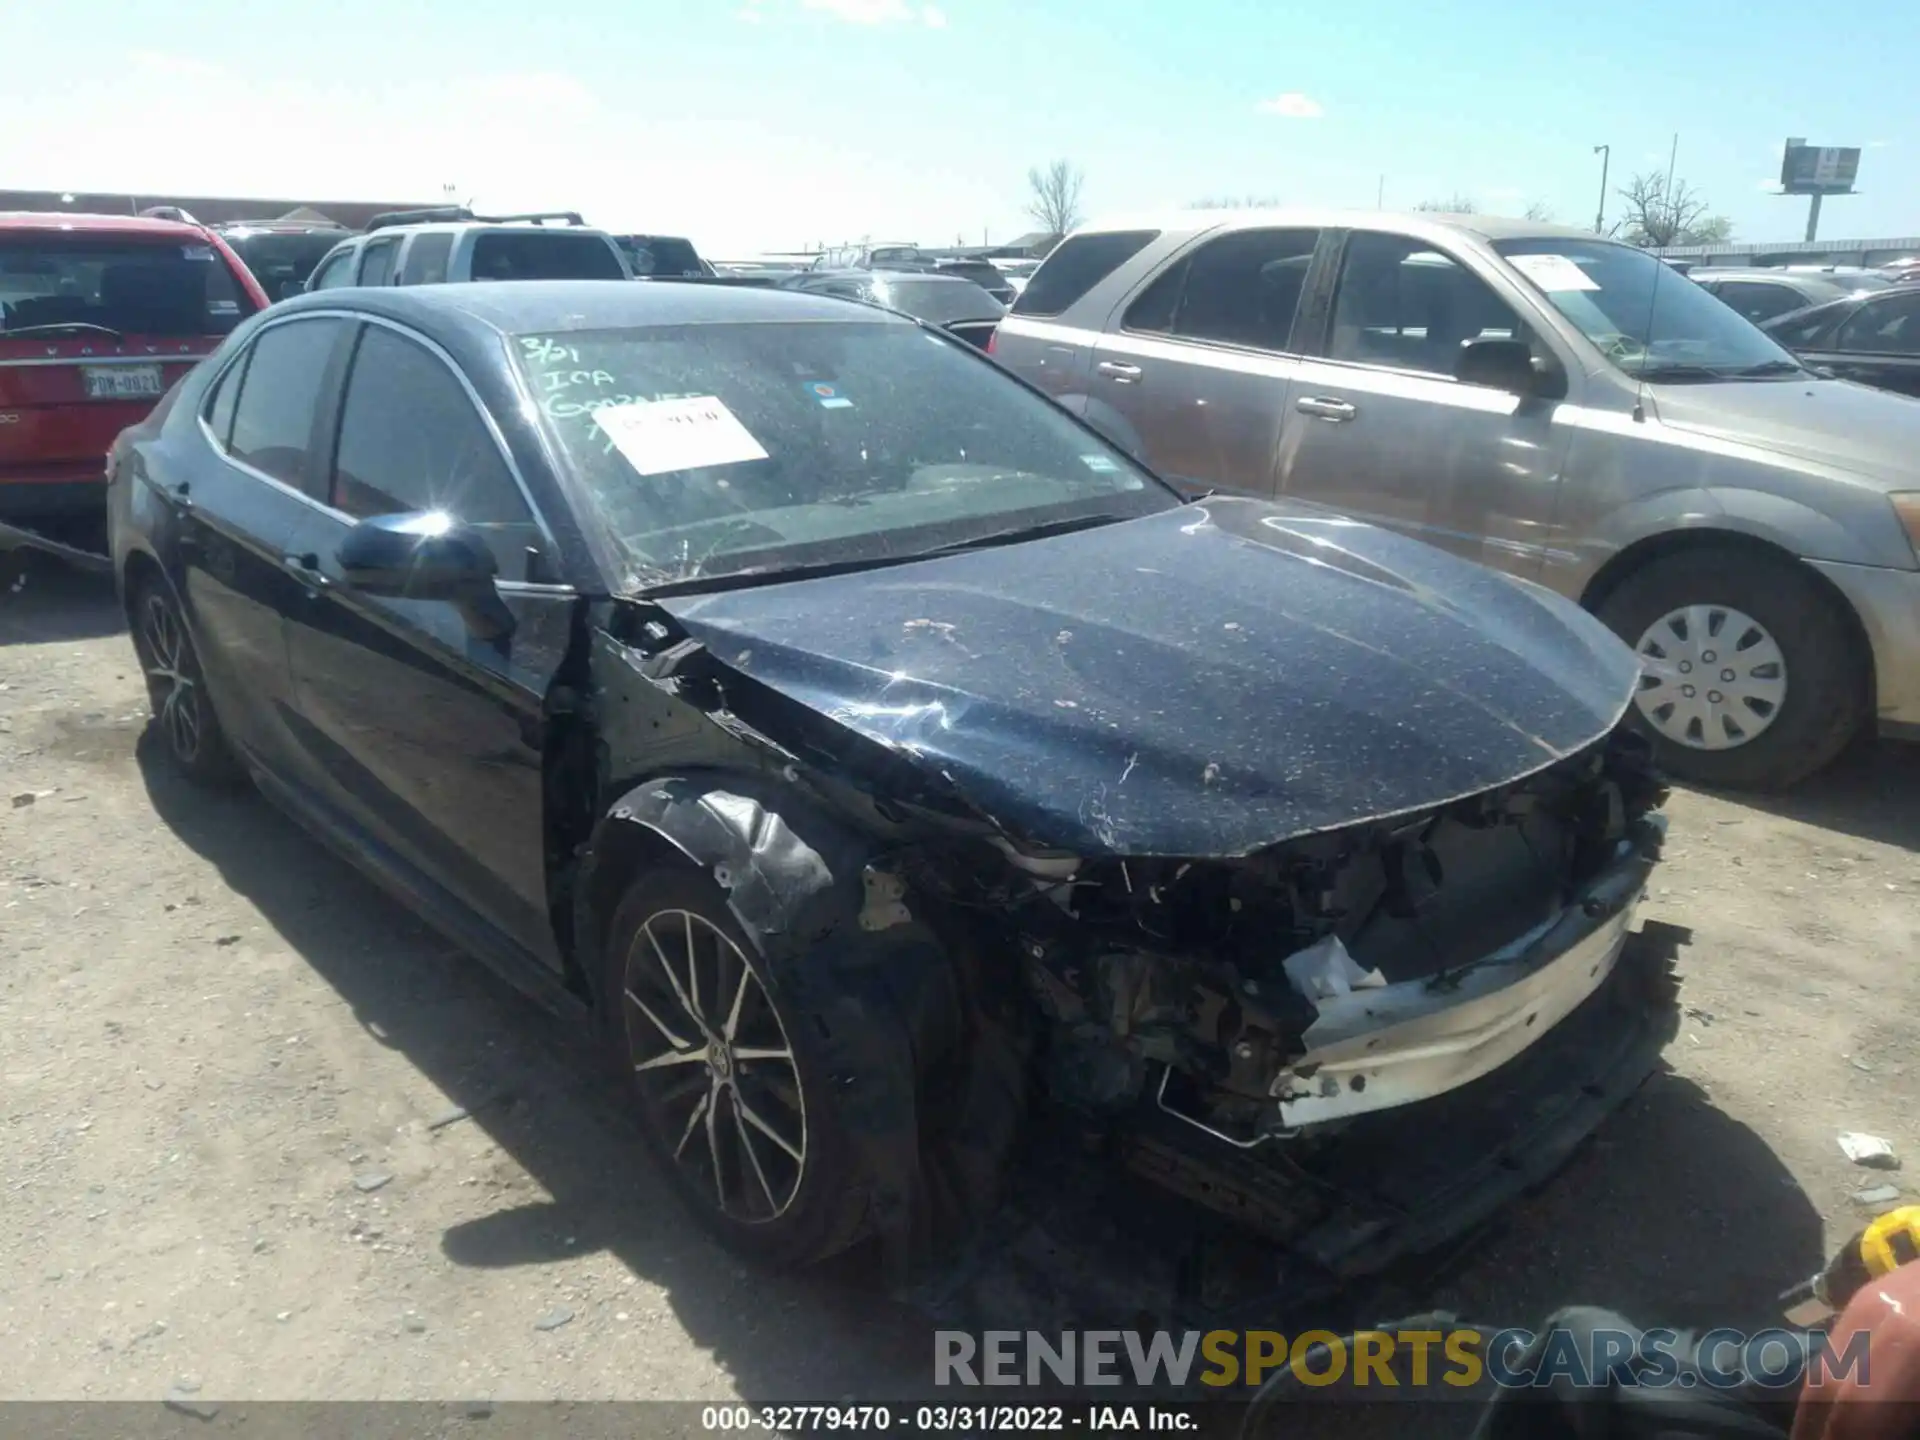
[882,764]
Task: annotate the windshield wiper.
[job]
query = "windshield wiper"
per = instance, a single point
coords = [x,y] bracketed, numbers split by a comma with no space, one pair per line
[1680,372]
[61,326]
[1766,368]
[1026,532]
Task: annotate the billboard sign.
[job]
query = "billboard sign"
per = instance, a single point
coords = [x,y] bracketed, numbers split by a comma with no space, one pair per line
[1818,169]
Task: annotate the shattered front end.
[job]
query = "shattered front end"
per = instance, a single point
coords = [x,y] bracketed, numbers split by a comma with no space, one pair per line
[1292,1036]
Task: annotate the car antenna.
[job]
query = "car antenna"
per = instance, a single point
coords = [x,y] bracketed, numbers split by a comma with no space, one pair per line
[1646,346]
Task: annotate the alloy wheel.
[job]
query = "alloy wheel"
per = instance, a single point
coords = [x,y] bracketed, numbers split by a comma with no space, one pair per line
[714,1065]
[173,682]
[1711,677]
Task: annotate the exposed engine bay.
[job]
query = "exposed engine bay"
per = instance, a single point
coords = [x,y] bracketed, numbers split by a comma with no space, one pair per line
[1267,1001]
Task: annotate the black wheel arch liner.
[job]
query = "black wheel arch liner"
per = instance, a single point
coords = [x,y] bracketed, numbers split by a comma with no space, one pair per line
[881,1000]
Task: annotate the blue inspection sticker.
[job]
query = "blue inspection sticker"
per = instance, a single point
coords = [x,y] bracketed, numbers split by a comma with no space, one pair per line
[828,396]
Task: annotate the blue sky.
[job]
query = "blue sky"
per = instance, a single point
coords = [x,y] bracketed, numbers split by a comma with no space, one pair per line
[764,124]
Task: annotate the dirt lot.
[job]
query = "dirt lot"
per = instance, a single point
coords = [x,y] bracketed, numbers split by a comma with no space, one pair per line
[216,1040]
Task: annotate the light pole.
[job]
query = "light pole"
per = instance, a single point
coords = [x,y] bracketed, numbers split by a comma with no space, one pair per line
[1605,152]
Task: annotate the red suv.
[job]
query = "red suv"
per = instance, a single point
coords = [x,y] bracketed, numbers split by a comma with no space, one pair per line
[99,316]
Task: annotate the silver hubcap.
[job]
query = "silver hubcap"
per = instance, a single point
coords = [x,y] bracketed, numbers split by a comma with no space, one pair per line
[713,1061]
[172,687]
[1711,678]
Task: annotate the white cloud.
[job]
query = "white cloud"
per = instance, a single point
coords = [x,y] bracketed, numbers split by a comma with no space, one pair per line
[1768,185]
[933,17]
[1293,105]
[1878,144]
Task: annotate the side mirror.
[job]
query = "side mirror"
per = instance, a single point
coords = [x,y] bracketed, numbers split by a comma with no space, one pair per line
[1508,365]
[428,555]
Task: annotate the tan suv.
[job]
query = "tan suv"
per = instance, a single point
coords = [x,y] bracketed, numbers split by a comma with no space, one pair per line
[1558,406]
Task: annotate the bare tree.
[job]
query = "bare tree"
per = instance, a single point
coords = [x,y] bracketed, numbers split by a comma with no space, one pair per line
[1454,204]
[1660,214]
[1539,210]
[1054,196]
[1236,202]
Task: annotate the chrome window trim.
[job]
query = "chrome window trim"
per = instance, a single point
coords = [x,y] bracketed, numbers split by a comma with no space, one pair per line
[433,348]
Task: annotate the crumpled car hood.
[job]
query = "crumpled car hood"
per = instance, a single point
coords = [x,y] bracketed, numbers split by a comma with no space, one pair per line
[1868,433]
[1206,681]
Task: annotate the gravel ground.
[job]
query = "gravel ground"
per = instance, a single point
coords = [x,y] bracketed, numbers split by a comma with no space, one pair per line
[231,1156]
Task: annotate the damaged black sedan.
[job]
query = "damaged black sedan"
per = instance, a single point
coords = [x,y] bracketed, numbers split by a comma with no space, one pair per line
[878,760]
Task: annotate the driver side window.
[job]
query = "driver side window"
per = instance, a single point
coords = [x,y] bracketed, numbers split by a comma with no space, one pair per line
[1405,306]
[411,440]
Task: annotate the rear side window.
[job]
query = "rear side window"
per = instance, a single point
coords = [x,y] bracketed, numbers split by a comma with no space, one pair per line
[159,287]
[226,394]
[376,261]
[410,439]
[1806,327]
[1076,266]
[1759,301]
[1890,326]
[279,395]
[1242,289]
[544,255]
[427,259]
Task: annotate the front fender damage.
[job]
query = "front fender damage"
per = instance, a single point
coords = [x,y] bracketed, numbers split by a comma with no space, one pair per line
[874,988]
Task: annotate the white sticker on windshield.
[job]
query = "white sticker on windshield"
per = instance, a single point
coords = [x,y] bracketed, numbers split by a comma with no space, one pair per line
[662,436]
[1099,464]
[1553,272]
[196,252]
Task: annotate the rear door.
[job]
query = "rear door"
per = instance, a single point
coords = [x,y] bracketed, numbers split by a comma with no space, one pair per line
[237,514]
[1378,427]
[421,737]
[94,329]
[1194,373]
[1035,342]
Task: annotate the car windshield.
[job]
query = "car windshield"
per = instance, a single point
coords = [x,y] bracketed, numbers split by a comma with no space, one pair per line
[1647,320]
[937,301]
[50,283]
[282,261]
[709,450]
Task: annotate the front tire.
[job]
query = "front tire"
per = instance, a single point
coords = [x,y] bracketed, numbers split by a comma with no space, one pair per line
[731,1090]
[1751,676]
[183,717]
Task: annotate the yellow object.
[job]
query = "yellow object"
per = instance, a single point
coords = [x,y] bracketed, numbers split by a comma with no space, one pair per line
[1891,1241]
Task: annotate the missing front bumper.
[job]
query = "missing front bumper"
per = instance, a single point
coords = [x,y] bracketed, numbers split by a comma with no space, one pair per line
[1380,1049]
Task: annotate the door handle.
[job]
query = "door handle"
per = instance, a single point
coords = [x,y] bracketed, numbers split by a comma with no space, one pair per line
[307,568]
[1323,408]
[1114,370]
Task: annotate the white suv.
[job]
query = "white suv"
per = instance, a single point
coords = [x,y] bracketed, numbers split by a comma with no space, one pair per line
[433,247]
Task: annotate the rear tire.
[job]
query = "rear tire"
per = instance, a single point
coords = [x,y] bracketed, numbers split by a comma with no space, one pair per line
[1699,620]
[732,1094]
[183,720]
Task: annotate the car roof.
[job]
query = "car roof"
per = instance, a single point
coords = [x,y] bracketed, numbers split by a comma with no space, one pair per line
[552,307]
[1417,223]
[50,221]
